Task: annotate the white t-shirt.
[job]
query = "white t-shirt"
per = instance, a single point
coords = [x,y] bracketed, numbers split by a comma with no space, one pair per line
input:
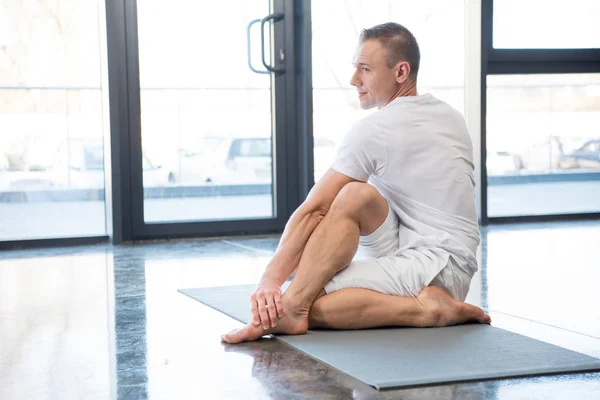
[418,153]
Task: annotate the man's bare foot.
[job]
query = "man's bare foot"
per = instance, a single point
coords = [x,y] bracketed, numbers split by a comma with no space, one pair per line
[293,323]
[445,311]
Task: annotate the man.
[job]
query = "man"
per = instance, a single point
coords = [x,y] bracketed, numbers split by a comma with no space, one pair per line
[401,192]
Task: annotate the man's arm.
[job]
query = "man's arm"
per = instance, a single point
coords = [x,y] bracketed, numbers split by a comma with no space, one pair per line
[302,224]
[297,231]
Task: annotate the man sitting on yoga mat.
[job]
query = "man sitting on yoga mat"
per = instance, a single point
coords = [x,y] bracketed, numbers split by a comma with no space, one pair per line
[388,235]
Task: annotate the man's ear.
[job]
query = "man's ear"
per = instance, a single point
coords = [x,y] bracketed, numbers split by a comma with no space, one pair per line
[402,71]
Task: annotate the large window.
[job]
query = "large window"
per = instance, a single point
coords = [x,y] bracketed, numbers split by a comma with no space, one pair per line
[541,101]
[540,24]
[51,145]
[543,142]
[209,130]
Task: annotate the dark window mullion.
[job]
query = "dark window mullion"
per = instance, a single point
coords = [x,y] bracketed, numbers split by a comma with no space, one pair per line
[520,68]
[135,118]
[544,55]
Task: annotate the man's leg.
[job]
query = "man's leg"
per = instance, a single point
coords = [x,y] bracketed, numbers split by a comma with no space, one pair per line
[363,308]
[358,209]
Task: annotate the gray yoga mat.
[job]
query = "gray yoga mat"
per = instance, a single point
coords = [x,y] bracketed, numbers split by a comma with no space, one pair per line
[397,357]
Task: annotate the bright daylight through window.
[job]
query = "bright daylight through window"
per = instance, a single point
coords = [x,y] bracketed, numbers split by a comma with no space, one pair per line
[206,116]
[51,119]
[577,19]
[543,144]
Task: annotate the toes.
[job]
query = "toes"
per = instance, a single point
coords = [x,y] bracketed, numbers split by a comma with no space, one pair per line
[229,338]
[482,317]
[235,336]
[245,334]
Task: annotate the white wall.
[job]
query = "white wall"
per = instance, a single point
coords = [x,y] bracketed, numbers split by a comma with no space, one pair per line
[473,85]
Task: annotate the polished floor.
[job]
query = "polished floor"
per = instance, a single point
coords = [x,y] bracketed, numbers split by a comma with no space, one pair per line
[106,322]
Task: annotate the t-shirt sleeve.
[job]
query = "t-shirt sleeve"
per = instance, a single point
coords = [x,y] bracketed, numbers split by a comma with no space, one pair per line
[361,153]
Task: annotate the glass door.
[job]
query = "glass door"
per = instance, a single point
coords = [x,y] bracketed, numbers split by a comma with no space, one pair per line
[209,74]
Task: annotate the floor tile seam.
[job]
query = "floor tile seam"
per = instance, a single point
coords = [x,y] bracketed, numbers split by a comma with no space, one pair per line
[242,246]
[134,294]
[546,324]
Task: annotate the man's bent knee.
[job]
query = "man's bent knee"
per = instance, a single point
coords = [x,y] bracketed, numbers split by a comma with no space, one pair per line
[364,204]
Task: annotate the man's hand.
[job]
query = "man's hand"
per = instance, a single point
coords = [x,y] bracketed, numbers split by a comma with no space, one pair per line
[266,304]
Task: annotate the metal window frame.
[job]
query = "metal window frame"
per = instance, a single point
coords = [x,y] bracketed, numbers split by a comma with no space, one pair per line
[52,242]
[119,177]
[524,61]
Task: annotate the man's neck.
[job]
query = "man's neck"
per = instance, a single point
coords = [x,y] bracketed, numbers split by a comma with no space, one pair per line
[409,89]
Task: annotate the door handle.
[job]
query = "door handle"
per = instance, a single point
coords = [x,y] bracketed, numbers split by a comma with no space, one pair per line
[258,71]
[275,17]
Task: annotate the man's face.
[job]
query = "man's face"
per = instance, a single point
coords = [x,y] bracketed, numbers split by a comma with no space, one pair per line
[374,80]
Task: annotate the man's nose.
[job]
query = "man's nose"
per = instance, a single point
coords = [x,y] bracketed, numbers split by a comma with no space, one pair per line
[354,81]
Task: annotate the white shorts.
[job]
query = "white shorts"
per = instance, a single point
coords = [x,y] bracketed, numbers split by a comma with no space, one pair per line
[377,267]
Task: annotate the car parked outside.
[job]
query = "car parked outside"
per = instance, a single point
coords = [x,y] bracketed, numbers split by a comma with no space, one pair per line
[79,164]
[4,183]
[502,163]
[225,161]
[239,160]
[73,164]
[542,156]
[26,168]
[585,157]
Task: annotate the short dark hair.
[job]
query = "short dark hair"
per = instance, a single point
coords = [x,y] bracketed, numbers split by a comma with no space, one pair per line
[399,43]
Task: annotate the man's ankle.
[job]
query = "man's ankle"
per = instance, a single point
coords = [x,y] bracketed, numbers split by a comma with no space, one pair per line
[429,315]
[293,303]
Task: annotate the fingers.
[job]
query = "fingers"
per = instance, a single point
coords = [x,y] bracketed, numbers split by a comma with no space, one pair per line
[262,312]
[278,305]
[254,310]
[266,308]
[272,311]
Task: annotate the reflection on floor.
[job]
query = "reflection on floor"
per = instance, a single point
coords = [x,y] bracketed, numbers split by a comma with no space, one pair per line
[105,321]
